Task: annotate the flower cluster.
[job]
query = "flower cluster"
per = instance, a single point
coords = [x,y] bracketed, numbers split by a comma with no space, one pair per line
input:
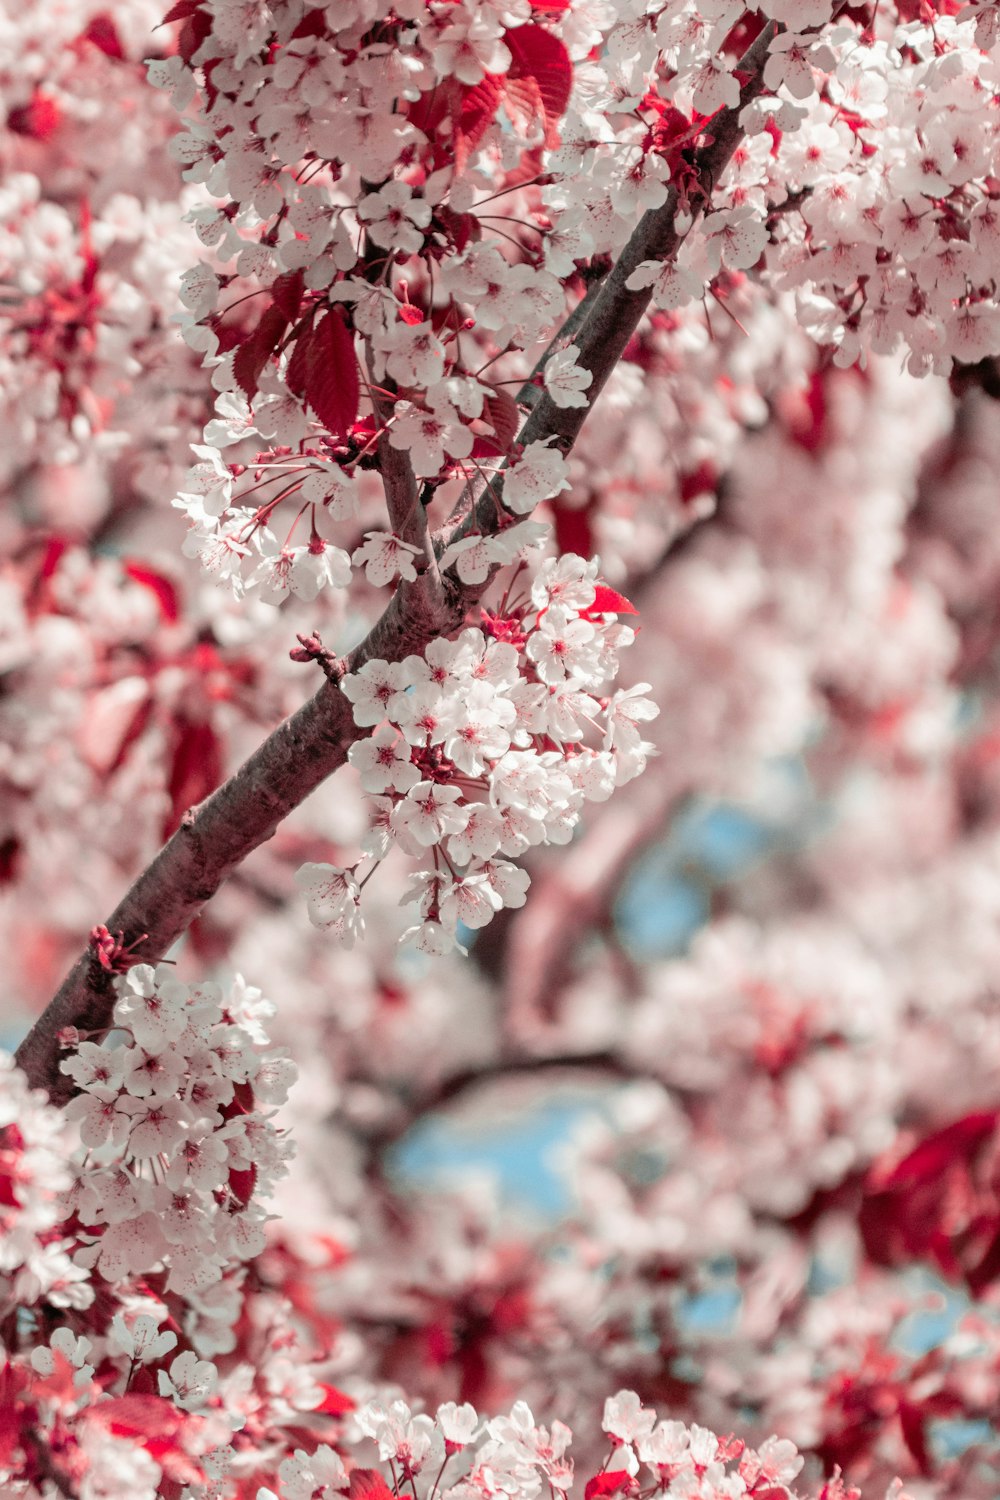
[478,752]
[514,1458]
[35,1262]
[92,378]
[175,1113]
[864,181]
[417,252]
[126,1221]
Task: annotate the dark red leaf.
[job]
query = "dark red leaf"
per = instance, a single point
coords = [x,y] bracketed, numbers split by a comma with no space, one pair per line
[368,1484]
[573,529]
[39,119]
[297,370]
[166,593]
[103,34]
[608,601]
[441,102]
[928,1160]
[500,411]
[287,293]
[253,354]
[609,1483]
[331,386]
[979,1277]
[10,866]
[478,111]
[242,1102]
[196,769]
[196,29]
[911,1420]
[334,1403]
[938,1202]
[242,1182]
[486,447]
[181,11]
[13,1417]
[138,1416]
[540,76]
[313,23]
[460,228]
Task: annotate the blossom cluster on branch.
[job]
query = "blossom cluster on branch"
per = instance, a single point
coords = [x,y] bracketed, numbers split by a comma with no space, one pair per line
[430,231]
[478,752]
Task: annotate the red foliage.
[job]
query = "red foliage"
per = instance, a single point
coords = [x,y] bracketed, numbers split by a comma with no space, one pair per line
[40,118]
[331,384]
[501,412]
[159,585]
[608,601]
[102,33]
[537,85]
[253,354]
[368,1484]
[940,1202]
[611,1482]
[195,769]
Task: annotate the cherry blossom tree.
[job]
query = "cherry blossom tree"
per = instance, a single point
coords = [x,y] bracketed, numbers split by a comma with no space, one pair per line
[458,449]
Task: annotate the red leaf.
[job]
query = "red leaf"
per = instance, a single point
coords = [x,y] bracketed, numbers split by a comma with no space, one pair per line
[10,868]
[40,118]
[255,351]
[540,76]
[313,23]
[242,1182]
[331,387]
[460,228]
[334,1403]
[242,1102]
[478,111]
[938,1201]
[196,770]
[166,593]
[287,293]
[928,1160]
[607,601]
[500,411]
[573,529]
[13,1417]
[427,111]
[138,1416]
[297,370]
[368,1484]
[608,1483]
[181,11]
[115,718]
[103,34]
[911,1420]
[196,29]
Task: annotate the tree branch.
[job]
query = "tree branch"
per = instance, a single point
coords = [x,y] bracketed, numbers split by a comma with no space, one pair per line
[617,311]
[308,747]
